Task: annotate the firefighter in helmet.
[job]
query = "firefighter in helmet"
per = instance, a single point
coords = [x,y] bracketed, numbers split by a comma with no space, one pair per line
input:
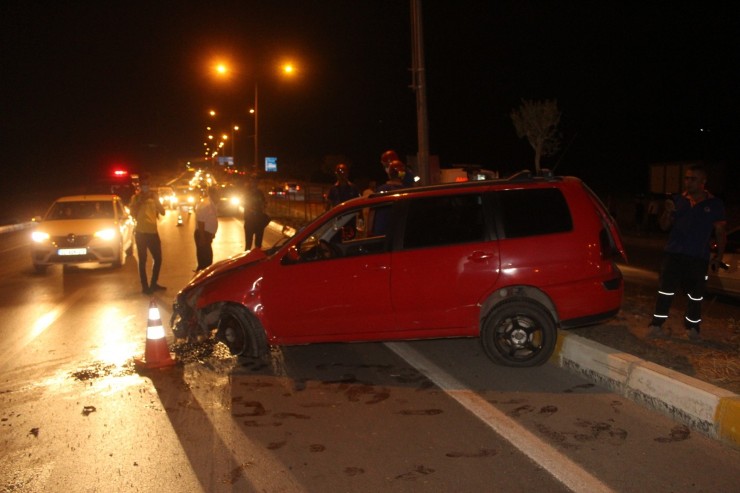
[391,156]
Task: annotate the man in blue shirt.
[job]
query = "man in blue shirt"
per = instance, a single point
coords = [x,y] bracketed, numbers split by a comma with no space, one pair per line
[693,216]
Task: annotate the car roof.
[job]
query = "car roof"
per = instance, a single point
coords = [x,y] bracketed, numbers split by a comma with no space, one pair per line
[517,180]
[87,198]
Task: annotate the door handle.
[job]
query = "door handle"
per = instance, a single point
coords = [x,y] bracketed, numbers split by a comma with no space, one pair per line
[479,256]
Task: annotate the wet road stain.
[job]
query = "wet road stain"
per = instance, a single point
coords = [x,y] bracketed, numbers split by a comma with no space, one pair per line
[316,447]
[236,474]
[484,452]
[548,410]
[592,431]
[257,408]
[354,394]
[616,405]
[416,473]
[101,370]
[555,436]
[256,424]
[276,445]
[515,413]
[255,385]
[578,387]
[678,434]
[420,412]
[353,471]
[600,431]
[291,415]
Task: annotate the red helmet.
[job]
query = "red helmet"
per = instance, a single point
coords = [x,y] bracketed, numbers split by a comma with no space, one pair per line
[341,169]
[396,169]
[388,156]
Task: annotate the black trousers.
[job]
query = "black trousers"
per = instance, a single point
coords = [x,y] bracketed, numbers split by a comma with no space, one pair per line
[688,274]
[203,248]
[254,229]
[151,242]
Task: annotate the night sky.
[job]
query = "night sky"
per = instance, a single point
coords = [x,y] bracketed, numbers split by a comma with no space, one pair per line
[87,85]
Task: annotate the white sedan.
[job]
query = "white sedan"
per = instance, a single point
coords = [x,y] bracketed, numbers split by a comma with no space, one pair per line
[727,281]
[82,229]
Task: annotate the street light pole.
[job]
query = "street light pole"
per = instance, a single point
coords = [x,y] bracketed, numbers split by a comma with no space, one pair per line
[234,128]
[256,129]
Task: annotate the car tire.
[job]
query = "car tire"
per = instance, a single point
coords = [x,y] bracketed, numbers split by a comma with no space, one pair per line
[519,333]
[241,332]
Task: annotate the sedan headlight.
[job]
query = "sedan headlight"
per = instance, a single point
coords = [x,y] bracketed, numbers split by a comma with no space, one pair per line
[106,234]
[40,236]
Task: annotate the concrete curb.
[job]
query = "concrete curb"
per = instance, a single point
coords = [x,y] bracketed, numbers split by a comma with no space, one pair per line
[704,407]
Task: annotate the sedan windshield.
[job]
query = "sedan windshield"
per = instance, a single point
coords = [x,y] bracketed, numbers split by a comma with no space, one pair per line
[80,210]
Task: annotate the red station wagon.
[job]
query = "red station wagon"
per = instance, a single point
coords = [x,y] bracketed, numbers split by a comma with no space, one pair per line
[509,261]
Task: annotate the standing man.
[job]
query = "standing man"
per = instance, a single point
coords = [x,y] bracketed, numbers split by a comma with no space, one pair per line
[206,225]
[343,189]
[693,216]
[146,209]
[255,218]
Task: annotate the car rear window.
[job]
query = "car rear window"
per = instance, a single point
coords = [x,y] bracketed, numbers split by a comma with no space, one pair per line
[445,220]
[533,212]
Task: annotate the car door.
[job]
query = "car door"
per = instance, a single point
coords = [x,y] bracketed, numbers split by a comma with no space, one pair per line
[333,285]
[444,262]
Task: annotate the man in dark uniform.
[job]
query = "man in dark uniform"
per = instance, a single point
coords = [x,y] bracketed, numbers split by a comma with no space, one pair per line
[343,189]
[255,218]
[693,215]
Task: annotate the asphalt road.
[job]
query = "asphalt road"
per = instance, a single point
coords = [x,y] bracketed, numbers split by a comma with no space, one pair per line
[76,415]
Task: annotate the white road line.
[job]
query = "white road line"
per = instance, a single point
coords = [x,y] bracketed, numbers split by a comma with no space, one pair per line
[560,467]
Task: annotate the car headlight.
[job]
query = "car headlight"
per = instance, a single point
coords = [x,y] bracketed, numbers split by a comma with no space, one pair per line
[191,200]
[40,236]
[234,201]
[106,234]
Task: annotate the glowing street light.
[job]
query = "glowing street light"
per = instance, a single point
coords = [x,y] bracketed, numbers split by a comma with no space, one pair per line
[222,70]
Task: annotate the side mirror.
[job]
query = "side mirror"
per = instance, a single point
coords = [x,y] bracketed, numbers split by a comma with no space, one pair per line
[293,256]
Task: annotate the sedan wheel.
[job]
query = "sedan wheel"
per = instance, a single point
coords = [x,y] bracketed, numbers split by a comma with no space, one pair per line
[519,333]
[241,332]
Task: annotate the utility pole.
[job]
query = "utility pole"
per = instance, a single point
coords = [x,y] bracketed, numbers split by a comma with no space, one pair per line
[419,86]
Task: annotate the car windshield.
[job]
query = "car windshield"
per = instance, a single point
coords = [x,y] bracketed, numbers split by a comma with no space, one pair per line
[88,209]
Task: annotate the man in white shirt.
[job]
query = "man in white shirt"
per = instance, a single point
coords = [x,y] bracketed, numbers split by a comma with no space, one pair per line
[206,225]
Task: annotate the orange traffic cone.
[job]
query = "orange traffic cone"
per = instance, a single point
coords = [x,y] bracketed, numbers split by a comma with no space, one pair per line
[156,353]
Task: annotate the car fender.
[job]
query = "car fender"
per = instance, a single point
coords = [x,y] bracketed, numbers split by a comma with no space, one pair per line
[521,292]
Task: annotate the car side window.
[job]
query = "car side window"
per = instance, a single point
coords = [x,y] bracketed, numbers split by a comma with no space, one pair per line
[353,233]
[533,212]
[446,220]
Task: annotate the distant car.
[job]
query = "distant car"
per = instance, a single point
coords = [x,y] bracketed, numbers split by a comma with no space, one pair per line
[82,229]
[276,192]
[187,197]
[230,200]
[509,261]
[167,197]
[728,281]
[293,190]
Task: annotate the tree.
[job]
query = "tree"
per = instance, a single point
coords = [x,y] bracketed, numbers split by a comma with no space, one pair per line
[538,122]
